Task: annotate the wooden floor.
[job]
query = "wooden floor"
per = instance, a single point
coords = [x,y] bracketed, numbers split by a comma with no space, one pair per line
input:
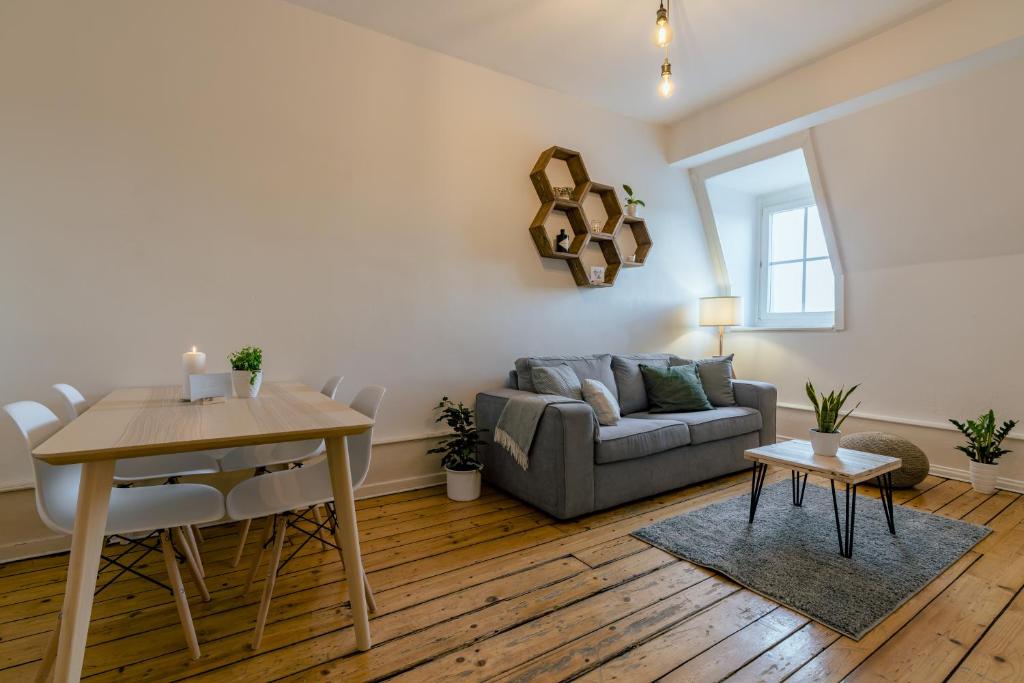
[495,590]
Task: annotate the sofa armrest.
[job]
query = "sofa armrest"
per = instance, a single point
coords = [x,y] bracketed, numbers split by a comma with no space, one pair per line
[560,478]
[762,397]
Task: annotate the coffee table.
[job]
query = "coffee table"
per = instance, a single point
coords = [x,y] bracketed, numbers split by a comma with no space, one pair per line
[847,467]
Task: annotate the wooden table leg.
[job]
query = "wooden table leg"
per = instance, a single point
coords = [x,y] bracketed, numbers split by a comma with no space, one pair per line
[347,536]
[86,546]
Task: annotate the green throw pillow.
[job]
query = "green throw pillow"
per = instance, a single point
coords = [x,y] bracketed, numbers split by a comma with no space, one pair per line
[676,389]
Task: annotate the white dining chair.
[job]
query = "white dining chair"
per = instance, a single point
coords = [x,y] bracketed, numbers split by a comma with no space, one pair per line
[259,458]
[168,468]
[277,495]
[147,518]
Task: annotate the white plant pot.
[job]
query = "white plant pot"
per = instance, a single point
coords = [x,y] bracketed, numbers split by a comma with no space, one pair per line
[825,443]
[243,387]
[631,210]
[463,485]
[983,477]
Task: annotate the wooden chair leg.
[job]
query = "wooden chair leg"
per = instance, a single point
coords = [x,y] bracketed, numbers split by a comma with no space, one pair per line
[242,535]
[268,586]
[267,531]
[320,532]
[49,655]
[181,538]
[193,545]
[371,603]
[184,615]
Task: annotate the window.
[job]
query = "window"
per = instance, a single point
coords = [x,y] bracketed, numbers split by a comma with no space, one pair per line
[796,284]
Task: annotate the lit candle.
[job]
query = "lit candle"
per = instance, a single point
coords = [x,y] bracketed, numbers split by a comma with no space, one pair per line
[192,363]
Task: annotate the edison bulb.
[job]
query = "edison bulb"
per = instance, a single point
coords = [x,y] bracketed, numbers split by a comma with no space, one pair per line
[666,87]
[662,33]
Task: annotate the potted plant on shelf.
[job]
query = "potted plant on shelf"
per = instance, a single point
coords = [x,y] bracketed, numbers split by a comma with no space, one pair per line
[461,466]
[984,448]
[825,439]
[632,202]
[247,371]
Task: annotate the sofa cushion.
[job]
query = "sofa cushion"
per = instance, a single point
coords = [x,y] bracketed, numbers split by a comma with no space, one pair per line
[633,438]
[559,380]
[674,389]
[626,368]
[716,377]
[711,425]
[600,398]
[597,367]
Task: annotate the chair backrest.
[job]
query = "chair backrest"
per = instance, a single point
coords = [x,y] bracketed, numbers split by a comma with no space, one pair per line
[72,403]
[360,448]
[56,485]
[330,389]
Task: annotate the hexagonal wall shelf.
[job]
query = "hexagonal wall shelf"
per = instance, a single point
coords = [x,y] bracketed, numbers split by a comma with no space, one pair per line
[572,207]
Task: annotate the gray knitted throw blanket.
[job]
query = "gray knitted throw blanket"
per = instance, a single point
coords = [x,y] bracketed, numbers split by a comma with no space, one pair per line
[518,422]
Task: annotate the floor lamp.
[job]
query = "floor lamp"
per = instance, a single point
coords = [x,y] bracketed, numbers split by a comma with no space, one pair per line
[720,312]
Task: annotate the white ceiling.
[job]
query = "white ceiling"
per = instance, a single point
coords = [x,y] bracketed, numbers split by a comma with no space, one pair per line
[601,50]
[770,175]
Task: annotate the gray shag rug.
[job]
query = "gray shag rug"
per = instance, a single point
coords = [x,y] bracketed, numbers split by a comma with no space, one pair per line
[791,554]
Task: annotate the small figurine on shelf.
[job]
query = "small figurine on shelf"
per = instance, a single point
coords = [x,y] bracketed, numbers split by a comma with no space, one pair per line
[562,242]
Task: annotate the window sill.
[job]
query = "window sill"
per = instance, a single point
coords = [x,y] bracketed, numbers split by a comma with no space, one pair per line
[786,328]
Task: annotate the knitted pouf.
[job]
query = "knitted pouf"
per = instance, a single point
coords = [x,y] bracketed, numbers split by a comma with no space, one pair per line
[915,462]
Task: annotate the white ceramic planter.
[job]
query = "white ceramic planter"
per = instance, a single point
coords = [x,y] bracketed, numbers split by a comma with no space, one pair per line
[983,477]
[463,485]
[631,210]
[243,387]
[825,443]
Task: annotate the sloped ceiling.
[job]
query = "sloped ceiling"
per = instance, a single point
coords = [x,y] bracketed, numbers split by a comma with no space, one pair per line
[601,50]
[930,177]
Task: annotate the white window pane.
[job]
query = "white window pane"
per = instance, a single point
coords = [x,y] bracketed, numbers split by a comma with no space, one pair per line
[821,288]
[787,235]
[785,288]
[815,235]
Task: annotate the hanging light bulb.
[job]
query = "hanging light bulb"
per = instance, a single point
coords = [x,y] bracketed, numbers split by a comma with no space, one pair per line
[662,29]
[666,87]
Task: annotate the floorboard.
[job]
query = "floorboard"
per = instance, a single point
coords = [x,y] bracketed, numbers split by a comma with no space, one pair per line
[495,590]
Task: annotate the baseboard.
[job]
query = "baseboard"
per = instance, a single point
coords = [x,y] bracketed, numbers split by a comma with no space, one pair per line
[1015,485]
[960,474]
[52,545]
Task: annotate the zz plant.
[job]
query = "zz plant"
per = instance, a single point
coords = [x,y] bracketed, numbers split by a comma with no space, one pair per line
[248,358]
[827,408]
[458,450]
[984,440]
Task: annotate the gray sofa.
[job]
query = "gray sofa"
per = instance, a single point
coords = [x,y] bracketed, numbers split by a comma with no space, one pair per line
[578,466]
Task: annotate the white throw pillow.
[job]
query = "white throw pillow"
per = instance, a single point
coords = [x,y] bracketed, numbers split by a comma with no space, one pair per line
[601,400]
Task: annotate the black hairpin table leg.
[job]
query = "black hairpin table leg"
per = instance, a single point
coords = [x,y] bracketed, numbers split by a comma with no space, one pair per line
[845,533]
[885,486]
[798,487]
[756,484]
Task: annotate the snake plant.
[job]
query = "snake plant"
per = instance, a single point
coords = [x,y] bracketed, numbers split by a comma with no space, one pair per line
[827,408]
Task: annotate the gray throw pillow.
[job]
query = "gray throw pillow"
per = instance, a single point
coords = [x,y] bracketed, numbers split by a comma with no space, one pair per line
[602,401]
[716,377]
[597,367]
[556,379]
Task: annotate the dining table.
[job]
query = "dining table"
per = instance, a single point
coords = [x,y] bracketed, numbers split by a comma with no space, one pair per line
[138,422]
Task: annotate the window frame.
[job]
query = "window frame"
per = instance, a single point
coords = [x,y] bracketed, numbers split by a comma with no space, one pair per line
[796,198]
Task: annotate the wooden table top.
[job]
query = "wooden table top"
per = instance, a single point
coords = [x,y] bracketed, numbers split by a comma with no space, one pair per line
[129,423]
[847,466]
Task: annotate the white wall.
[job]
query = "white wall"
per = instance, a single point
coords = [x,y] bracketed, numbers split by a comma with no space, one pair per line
[736,218]
[251,172]
[925,194]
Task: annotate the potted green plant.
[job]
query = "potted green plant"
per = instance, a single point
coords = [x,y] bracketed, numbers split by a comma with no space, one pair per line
[825,437]
[632,202]
[247,371]
[458,451]
[984,448]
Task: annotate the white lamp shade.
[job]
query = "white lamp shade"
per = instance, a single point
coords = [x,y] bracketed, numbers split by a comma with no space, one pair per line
[720,310]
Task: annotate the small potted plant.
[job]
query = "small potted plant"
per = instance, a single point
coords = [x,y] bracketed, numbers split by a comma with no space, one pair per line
[825,438]
[632,202]
[461,466]
[984,448]
[247,371]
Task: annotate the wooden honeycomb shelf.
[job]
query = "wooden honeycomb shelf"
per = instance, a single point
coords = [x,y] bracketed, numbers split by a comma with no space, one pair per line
[582,234]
